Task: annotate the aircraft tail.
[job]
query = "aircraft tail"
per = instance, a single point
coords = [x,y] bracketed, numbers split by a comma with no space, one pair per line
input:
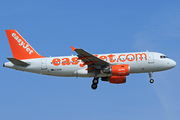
[20,48]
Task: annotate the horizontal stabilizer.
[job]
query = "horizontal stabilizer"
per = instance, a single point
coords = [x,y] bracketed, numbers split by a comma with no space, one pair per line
[18,62]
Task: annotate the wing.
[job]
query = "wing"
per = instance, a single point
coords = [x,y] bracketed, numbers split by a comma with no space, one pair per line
[89,59]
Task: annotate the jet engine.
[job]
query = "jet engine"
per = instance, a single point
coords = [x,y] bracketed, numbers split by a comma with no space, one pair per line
[118,70]
[115,79]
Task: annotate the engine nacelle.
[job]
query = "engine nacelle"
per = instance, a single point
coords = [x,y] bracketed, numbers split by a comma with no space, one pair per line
[118,70]
[115,79]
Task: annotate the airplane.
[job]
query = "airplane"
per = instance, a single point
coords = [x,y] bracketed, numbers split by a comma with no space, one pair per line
[113,68]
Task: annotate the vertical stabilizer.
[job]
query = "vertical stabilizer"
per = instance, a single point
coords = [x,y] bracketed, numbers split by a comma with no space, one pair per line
[20,48]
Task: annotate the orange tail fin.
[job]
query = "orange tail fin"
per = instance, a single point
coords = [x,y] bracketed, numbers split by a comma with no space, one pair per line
[20,48]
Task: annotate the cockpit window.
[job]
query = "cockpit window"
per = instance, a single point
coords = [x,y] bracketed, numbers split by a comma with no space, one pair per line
[163,56]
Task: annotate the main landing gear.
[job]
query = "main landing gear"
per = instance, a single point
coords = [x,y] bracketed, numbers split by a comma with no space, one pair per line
[150,76]
[94,83]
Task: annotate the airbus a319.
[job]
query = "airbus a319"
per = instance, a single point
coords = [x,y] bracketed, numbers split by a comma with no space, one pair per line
[112,67]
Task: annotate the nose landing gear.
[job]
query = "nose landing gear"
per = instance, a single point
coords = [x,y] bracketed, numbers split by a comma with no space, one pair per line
[150,76]
[151,80]
[94,83]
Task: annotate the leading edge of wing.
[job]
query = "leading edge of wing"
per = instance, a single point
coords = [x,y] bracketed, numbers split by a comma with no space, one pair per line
[88,58]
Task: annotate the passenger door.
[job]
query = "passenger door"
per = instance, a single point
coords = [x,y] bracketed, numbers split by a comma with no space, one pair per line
[43,64]
[150,58]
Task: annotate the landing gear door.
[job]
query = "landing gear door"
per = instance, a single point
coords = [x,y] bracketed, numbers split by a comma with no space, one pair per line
[43,64]
[150,58]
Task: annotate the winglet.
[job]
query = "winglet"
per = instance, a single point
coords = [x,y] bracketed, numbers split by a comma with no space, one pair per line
[73,48]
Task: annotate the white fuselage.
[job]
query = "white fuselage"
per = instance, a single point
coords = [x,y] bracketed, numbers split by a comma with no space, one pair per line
[69,66]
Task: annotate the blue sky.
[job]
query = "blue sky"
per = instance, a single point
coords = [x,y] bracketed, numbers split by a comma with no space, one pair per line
[98,26]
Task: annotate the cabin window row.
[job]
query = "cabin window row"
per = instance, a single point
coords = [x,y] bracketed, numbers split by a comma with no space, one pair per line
[104,59]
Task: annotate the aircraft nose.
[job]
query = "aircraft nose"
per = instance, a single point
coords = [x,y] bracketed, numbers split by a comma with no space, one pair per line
[172,63]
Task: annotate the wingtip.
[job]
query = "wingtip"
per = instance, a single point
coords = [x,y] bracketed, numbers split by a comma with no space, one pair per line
[73,48]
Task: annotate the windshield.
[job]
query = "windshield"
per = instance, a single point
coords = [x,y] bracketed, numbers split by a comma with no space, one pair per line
[163,56]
